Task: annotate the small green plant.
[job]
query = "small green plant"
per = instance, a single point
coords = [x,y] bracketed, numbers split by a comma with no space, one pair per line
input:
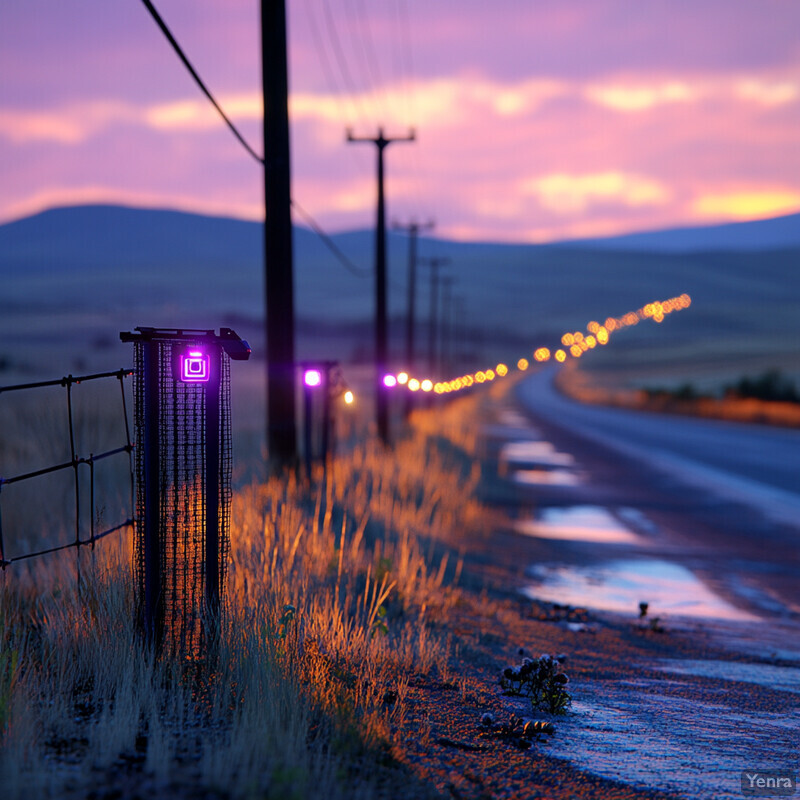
[542,680]
[518,732]
[654,623]
[288,616]
[379,625]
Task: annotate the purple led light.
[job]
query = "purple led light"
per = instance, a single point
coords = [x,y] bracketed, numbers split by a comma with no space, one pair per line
[312,377]
[195,366]
[389,381]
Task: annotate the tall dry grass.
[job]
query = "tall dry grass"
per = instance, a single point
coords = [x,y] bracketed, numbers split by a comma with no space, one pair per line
[336,588]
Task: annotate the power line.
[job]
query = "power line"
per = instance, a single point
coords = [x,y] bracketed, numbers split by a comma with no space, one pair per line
[341,60]
[197,79]
[313,224]
[362,32]
[332,246]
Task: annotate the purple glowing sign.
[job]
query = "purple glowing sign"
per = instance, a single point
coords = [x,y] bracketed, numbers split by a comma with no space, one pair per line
[312,377]
[195,366]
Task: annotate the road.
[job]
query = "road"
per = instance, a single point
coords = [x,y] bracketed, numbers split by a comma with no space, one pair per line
[699,519]
[752,464]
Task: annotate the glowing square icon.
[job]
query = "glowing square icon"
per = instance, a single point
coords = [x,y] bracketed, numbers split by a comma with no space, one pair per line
[195,366]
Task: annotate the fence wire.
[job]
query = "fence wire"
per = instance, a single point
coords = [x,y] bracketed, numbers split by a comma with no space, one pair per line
[79,464]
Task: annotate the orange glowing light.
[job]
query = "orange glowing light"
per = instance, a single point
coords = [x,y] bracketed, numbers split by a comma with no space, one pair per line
[578,337]
[426,385]
[611,324]
[591,341]
[593,327]
[602,336]
[490,376]
[561,356]
[349,397]
[413,384]
[576,350]
[567,340]
[480,377]
[402,378]
[502,370]
[522,364]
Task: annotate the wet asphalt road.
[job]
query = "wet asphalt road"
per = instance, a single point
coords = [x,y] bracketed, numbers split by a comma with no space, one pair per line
[723,497]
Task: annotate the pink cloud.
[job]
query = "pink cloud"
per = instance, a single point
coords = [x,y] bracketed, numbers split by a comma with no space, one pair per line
[535,120]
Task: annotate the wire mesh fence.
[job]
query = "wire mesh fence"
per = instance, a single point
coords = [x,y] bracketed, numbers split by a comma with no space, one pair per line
[36,514]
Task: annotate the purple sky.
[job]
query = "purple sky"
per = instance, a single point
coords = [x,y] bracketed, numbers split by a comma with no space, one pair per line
[536,119]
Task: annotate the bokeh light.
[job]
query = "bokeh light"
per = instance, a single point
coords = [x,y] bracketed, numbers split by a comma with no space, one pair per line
[575,343]
[312,377]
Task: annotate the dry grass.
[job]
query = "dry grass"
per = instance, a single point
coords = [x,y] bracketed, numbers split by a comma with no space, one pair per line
[335,592]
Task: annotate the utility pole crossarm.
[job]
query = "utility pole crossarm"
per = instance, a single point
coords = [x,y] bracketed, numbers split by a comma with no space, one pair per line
[381,349]
[380,140]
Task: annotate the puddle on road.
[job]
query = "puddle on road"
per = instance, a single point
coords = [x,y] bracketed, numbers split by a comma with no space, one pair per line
[537,452]
[513,419]
[621,585]
[786,679]
[547,477]
[578,524]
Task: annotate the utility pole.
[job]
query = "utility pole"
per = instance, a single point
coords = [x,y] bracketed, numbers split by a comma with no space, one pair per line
[434,264]
[278,268]
[413,229]
[381,355]
[445,351]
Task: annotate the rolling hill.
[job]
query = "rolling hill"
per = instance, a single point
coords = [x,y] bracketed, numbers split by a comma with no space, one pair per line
[74,277]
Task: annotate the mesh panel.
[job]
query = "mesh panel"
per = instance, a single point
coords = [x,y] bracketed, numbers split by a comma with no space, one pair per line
[185,487]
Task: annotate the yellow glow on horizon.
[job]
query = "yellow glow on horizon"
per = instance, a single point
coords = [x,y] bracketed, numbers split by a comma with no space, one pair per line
[747,205]
[565,193]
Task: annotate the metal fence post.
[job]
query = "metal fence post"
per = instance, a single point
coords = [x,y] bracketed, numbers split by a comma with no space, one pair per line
[183,474]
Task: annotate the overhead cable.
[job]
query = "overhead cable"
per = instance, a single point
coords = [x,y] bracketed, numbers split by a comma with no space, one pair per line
[197,79]
[332,246]
[313,224]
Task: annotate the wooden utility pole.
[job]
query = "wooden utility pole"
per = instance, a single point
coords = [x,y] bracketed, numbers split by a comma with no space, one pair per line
[446,338]
[278,266]
[434,264]
[412,229]
[381,354]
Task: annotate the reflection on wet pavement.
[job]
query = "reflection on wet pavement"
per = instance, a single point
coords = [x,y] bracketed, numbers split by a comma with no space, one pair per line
[621,585]
[786,679]
[579,524]
[537,451]
[547,477]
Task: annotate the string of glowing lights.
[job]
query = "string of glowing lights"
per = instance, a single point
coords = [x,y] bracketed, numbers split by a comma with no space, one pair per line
[574,345]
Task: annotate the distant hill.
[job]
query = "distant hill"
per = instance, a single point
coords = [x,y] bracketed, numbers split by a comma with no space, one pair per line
[767,234]
[72,278]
